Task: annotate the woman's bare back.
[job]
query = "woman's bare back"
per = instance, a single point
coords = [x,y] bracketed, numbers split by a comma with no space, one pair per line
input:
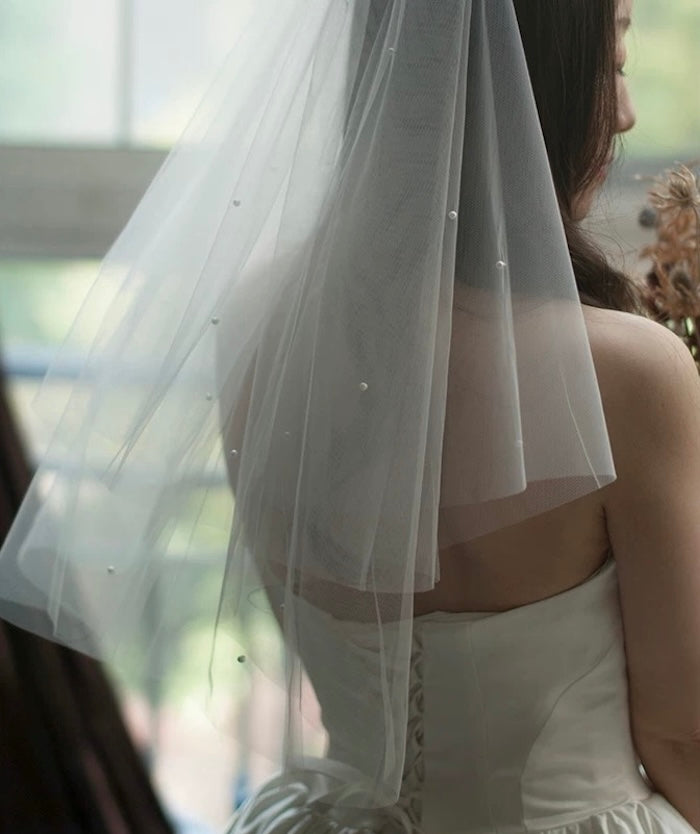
[560,549]
[523,563]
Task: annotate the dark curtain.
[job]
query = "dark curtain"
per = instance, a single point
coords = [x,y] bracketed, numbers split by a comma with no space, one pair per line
[67,764]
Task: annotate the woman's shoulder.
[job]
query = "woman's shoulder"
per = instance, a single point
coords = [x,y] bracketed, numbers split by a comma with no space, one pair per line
[650,390]
[634,355]
[651,397]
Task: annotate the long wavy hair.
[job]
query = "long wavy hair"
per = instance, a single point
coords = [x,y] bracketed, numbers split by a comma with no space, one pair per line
[570,48]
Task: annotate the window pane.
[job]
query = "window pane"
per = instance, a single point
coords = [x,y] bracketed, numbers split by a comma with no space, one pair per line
[38,302]
[663,69]
[39,299]
[178,45]
[58,75]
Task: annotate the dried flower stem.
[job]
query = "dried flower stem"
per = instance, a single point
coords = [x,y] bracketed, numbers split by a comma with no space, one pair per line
[672,292]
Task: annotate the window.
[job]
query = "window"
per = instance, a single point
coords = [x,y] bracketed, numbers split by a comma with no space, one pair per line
[663,70]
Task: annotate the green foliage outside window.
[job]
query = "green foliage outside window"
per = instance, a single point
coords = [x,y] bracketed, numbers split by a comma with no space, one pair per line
[664,78]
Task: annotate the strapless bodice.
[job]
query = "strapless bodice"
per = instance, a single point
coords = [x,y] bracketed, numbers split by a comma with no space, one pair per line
[518,721]
[547,740]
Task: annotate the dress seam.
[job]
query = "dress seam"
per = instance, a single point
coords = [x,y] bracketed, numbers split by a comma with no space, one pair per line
[598,660]
[485,724]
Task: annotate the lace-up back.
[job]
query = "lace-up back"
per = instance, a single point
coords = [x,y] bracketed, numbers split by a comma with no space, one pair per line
[518,721]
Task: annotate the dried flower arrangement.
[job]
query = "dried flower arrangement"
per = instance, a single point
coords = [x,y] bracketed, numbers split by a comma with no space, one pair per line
[672,288]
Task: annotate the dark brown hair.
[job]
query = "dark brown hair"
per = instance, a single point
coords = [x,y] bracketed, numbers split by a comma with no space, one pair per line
[570,49]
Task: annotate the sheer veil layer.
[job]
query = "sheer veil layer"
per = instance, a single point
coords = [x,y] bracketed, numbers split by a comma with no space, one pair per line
[340,332]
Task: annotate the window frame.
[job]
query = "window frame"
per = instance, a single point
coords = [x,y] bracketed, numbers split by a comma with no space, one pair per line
[69,202]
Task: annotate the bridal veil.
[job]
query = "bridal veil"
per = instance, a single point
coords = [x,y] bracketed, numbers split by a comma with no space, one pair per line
[340,332]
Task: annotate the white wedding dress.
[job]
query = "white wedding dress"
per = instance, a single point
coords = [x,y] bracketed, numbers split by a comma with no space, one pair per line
[518,722]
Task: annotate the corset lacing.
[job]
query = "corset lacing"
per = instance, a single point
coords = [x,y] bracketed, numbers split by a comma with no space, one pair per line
[282,805]
[410,801]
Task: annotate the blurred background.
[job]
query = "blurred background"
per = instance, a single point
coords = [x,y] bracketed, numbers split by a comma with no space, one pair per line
[92,94]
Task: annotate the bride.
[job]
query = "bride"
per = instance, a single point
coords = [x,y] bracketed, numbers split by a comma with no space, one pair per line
[363,270]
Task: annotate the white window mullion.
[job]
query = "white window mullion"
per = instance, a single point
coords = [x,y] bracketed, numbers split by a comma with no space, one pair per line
[126,56]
